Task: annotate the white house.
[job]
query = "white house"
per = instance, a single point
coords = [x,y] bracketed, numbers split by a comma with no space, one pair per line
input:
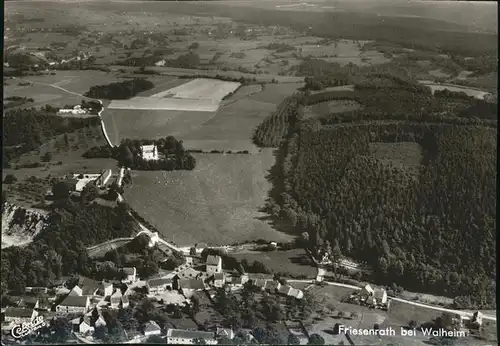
[152,328]
[131,275]
[100,322]
[321,275]
[219,279]
[116,299]
[214,264]
[477,318]
[76,291]
[381,296]
[366,292]
[224,333]
[238,282]
[156,286]
[149,152]
[188,337]
[85,326]
[74,304]
[105,289]
[19,315]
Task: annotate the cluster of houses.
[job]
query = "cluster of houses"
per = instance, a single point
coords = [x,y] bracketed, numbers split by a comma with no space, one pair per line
[88,298]
[374,298]
[76,110]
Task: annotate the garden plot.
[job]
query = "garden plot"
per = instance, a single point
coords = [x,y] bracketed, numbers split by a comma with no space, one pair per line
[173,104]
[201,89]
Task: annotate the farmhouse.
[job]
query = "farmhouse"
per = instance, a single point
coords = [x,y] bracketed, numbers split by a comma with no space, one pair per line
[321,275]
[214,264]
[149,152]
[76,110]
[381,296]
[74,304]
[225,333]
[199,247]
[156,286]
[188,337]
[19,315]
[366,292]
[116,299]
[84,179]
[477,318]
[85,326]
[260,283]
[189,286]
[152,328]
[218,279]
[131,275]
[29,303]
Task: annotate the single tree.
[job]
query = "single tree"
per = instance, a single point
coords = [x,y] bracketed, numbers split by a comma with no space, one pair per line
[316,339]
[61,190]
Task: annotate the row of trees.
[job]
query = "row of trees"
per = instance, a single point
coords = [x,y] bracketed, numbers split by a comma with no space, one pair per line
[120,90]
[274,128]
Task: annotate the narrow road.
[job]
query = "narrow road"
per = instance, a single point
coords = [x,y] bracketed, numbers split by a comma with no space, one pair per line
[432,307]
[79,95]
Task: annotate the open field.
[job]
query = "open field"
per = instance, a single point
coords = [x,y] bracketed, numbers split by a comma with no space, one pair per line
[400,153]
[282,261]
[230,128]
[333,107]
[275,93]
[173,104]
[216,203]
[201,89]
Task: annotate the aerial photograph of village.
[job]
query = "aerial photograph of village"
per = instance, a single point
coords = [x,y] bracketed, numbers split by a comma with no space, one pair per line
[248,172]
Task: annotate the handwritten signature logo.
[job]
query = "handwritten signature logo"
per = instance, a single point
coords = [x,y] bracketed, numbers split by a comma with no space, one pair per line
[24,329]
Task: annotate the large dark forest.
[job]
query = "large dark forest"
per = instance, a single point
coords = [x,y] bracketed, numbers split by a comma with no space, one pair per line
[409,213]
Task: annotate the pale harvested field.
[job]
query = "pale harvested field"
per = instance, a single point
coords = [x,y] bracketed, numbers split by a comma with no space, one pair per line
[217,203]
[479,94]
[151,124]
[202,89]
[169,104]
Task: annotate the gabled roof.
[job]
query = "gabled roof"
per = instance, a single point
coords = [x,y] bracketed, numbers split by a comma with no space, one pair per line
[77,301]
[285,289]
[130,271]
[218,276]
[151,326]
[190,334]
[117,294]
[159,282]
[379,293]
[18,312]
[125,300]
[193,284]
[272,285]
[260,282]
[213,260]
[200,246]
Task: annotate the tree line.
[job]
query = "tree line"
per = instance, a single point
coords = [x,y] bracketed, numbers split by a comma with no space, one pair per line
[120,90]
[171,154]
